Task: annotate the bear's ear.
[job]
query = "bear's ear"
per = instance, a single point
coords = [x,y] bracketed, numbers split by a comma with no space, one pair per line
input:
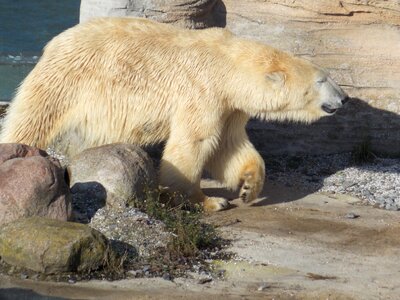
[276,77]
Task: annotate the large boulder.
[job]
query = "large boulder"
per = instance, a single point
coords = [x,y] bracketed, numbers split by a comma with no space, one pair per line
[192,14]
[51,246]
[115,174]
[31,184]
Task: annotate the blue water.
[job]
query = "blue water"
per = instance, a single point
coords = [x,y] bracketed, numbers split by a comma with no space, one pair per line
[25,28]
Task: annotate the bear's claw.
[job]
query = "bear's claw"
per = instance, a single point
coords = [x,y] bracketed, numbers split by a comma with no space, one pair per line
[247,193]
[215,204]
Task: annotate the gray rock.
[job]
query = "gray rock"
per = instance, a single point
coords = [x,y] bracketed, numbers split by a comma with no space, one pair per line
[146,268]
[263,286]
[348,184]
[380,199]
[115,174]
[351,216]
[392,206]
[205,280]
[167,276]
[192,14]
[51,246]
[31,184]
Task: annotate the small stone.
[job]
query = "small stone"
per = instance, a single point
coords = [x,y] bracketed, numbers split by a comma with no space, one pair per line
[392,206]
[351,216]
[205,280]
[133,273]
[263,286]
[221,273]
[24,276]
[367,195]
[348,184]
[71,281]
[146,268]
[35,276]
[167,276]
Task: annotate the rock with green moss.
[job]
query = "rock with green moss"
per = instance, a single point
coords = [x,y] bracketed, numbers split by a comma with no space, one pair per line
[52,246]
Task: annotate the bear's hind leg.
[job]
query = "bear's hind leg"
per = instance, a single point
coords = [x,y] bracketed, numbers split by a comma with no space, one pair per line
[236,163]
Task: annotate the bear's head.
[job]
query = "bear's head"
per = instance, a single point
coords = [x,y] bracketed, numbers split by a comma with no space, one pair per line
[284,87]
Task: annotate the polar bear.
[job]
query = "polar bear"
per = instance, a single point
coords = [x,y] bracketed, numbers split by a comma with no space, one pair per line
[137,81]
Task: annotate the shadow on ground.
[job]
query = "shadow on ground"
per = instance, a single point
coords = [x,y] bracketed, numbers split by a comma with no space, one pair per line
[358,129]
[24,294]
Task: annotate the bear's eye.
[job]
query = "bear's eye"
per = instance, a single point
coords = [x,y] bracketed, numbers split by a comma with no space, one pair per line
[322,80]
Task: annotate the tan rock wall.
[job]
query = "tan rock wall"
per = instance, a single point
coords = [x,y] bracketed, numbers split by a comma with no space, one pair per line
[358,41]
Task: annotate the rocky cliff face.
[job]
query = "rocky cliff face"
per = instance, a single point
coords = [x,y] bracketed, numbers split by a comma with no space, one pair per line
[190,14]
[358,41]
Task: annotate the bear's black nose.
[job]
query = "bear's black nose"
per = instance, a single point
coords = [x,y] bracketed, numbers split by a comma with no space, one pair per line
[328,109]
[345,100]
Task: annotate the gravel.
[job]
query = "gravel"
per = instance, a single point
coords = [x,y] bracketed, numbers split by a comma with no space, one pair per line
[132,231]
[376,183]
[64,160]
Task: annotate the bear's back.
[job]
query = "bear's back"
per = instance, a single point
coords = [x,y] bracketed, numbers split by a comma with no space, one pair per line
[101,32]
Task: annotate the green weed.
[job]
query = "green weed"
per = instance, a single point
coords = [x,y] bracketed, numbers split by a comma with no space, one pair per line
[190,235]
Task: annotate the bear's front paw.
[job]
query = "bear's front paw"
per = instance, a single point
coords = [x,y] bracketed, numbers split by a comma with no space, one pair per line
[215,204]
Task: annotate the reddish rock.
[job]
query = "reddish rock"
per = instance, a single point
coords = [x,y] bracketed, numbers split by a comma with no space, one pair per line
[31,184]
[10,151]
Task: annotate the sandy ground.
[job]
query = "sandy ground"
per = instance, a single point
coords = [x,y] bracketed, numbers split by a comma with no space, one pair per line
[288,246]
